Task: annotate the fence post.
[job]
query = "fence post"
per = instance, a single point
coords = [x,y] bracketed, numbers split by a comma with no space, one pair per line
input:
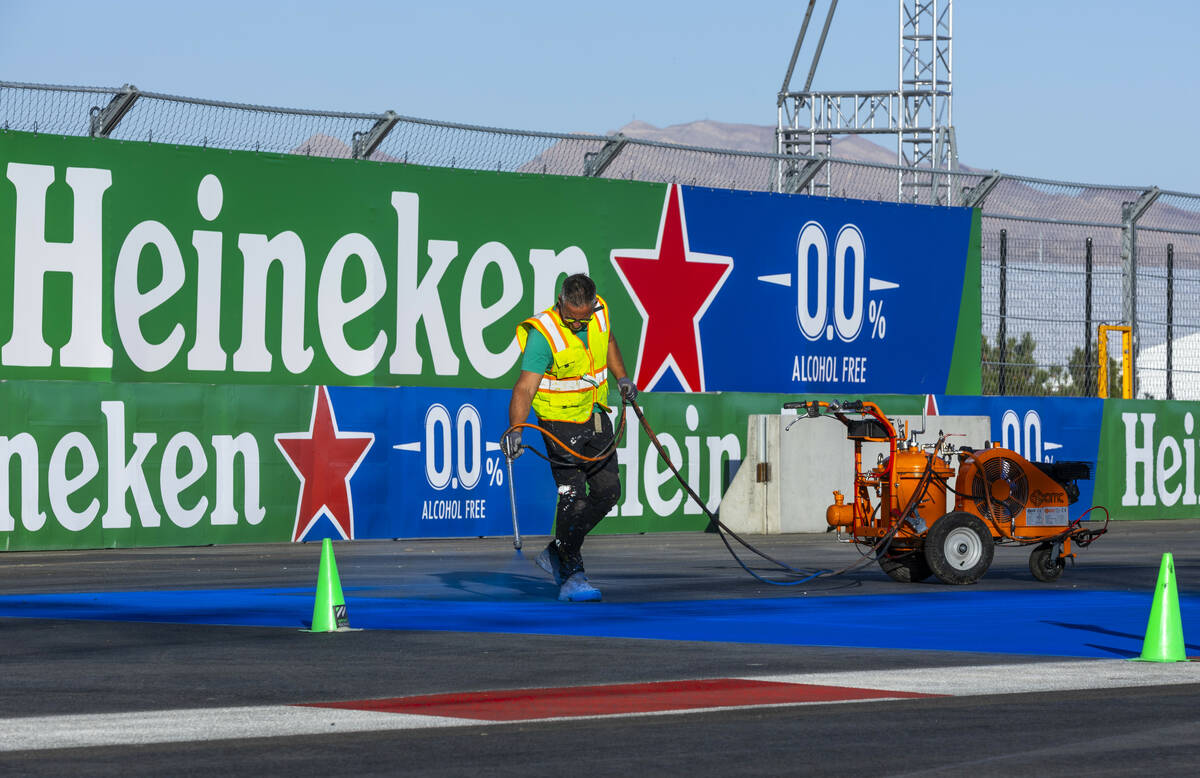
[366,142]
[1002,329]
[1087,321]
[596,162]
[794,181]
[1130,213]
[102,121]
[975,196]
[1170,318]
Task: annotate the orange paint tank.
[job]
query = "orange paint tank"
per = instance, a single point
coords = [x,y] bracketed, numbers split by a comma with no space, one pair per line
[910,467]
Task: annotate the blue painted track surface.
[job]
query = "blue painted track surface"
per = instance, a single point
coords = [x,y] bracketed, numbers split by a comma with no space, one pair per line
[1051,623]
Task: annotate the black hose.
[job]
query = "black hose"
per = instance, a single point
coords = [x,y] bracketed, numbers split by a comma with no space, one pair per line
[877,549]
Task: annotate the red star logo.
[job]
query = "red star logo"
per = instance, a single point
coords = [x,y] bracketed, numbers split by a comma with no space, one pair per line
[324,460]
[672,287]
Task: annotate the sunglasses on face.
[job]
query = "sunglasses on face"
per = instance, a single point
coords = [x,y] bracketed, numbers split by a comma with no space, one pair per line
[568,320]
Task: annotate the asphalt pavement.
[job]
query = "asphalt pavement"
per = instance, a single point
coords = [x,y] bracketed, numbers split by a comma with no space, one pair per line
[196,660]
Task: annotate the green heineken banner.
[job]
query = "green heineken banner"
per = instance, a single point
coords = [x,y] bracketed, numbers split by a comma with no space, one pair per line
[1147,467]
[124,261]
[146,262]
[91,465]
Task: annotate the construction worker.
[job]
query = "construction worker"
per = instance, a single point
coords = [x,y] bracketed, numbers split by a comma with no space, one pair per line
[568,355]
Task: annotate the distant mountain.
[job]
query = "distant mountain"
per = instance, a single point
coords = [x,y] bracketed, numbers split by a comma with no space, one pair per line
[570,155]
[707,133]
[749,137]
[322,145]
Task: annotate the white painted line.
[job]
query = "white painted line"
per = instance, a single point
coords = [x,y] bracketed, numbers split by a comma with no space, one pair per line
[1009,679]
[181,726]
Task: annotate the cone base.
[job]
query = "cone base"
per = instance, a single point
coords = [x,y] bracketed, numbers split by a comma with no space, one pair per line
[339,629]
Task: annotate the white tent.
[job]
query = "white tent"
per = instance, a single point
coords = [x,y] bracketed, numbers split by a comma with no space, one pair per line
[1185,369]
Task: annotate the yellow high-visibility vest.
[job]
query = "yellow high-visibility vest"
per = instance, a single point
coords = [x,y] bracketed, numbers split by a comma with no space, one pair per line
[578,377]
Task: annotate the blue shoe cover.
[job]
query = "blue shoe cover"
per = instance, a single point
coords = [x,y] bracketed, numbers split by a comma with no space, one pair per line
[578,589]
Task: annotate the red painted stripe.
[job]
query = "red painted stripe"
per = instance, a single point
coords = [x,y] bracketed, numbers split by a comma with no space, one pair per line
[521,704]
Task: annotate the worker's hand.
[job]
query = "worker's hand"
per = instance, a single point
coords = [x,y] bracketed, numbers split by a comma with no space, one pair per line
[510,444]
[629,389]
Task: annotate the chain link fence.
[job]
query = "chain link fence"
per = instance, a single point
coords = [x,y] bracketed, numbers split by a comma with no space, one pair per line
[1059,258]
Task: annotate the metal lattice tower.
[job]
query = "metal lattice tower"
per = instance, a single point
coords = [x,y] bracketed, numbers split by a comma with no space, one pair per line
[926,119]
[919,112]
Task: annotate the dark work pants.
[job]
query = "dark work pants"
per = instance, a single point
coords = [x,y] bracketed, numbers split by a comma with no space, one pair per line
[587,491]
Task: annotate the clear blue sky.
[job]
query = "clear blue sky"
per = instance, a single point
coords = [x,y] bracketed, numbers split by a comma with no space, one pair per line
[1101,91]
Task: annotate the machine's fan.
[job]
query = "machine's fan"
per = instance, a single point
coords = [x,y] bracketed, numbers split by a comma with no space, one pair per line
[1008,484]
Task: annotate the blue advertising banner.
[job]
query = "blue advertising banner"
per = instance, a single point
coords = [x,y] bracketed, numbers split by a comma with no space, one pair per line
[749,291]
[418,462]
[435,469]
[1041,429]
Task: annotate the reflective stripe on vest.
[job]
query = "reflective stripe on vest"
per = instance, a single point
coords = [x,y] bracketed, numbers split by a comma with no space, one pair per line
[547,326]
[581,384]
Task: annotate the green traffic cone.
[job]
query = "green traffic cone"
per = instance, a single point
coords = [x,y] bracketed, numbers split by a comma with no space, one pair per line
[1164,632]
[329,608]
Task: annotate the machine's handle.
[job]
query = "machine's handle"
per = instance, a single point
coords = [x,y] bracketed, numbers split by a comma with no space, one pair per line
[849,405]
[811,408]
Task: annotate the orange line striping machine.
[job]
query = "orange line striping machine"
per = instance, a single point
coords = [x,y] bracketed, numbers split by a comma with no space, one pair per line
[1000,498]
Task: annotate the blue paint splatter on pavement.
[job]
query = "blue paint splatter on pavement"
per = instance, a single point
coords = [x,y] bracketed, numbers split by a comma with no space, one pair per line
[1084,624]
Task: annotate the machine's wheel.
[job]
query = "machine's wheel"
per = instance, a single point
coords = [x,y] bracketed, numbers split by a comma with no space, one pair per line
[1045,564]
[905,566]
[959,548]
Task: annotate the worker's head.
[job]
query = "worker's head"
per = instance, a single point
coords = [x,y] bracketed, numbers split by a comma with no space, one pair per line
[577,301]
